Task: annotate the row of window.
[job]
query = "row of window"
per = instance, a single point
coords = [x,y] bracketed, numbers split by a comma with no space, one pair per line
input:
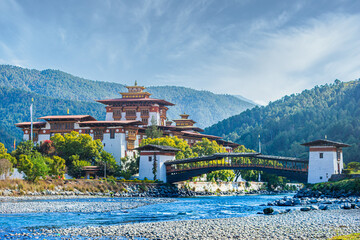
[62,126]
[183,124]
[134,96]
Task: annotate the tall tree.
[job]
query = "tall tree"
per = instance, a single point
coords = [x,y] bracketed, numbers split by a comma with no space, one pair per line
[153,131]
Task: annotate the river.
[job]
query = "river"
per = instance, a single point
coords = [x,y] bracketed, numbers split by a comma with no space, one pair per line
[180,209]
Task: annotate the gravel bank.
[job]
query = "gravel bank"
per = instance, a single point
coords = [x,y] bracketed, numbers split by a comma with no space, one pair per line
[28,205]
[294,225]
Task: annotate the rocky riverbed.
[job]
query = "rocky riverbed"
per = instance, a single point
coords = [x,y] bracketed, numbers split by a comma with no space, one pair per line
[28,205]
[293,225]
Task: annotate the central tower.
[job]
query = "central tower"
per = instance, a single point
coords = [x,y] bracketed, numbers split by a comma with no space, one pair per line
[136,104]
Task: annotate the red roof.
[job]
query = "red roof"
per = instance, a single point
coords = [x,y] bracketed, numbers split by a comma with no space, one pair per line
[124,100]
[27,124]
[200,135]
[65,117]
[110,123]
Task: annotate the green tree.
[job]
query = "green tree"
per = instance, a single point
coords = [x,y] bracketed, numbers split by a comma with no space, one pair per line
[77,144]
[75,169]
[107,162]
[206,147]
[129,166]
[153,131]
[5,155]
[185,150]
[34,167]
[24,148]
[354,166]
[56,166]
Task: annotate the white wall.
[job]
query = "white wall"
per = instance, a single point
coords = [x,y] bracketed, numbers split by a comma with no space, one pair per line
[321,169]
[146,166]
[42,137]
[26,137]
[115,146]
[154,115]
[109,116]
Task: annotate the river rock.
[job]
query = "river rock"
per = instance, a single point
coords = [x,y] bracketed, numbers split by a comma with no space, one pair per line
[323,207]
[305,209]
[346,206]
[268,211]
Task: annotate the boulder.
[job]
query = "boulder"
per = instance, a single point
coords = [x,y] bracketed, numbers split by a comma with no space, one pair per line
[346,206]
[323,207]
[268,211]
[305,209]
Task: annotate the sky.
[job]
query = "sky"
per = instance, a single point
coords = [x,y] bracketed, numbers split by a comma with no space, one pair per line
[261,50]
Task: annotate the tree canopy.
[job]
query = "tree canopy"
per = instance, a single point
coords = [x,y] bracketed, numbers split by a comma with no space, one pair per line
[331,110]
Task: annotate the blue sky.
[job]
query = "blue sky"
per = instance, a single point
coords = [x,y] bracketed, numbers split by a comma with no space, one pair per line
[261,50]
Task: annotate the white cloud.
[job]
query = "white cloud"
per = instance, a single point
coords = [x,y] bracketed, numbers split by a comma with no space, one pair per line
[289,60]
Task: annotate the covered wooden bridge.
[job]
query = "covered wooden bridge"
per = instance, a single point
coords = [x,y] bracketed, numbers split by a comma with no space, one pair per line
[184,169]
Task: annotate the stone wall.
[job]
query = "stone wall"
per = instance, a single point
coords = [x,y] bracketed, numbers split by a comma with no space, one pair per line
[222,186]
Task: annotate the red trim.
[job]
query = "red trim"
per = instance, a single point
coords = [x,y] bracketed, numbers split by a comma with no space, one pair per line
[157,153]
[322,149]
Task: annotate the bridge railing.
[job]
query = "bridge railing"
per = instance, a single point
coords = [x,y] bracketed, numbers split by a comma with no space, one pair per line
[240,162]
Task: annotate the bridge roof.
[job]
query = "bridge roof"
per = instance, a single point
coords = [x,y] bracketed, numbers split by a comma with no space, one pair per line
[279,158]
[325,142]
[153,147]
[224,155]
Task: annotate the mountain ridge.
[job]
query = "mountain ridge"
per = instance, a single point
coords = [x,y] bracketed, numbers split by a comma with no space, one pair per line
[331,110]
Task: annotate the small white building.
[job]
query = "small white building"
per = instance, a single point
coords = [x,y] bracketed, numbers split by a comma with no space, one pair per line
[325,159]
[155,156]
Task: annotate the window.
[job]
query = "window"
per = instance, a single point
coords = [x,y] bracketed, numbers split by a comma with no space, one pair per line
[150,159]
[144,112]
[145,121]
[98,134]
[321,155]
[320,177]
[117,113]
[112,133]
[130,113]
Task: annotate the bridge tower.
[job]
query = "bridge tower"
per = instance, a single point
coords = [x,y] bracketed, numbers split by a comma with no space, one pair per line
[155,155]
[325,159]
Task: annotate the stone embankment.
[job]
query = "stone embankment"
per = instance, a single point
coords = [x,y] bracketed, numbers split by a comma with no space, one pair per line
[134,190]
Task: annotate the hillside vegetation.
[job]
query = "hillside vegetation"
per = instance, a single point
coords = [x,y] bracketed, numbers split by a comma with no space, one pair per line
[204,107]
[331,110]
[15,105]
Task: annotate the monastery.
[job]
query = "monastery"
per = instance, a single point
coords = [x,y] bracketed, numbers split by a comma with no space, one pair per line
[125,124]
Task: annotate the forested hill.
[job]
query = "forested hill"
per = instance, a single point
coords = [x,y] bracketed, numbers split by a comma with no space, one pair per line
[15,105]
[332,110]
[204,107]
